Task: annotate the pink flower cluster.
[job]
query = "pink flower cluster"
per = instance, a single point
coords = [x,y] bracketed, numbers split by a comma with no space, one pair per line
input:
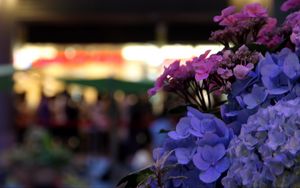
[173,76]
[222,70]
[290,4]
[250,25]
[295,36]
[229,16]
[216,72]
[269,35]
[291,27]
[292,20]
[204,67]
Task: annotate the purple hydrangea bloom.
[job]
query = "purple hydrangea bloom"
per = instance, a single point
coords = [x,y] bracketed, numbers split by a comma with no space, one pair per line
[295,38]
[292,20]
[267,148]
[290,4]
[211,161]
[182,129]
[275,78]
[199,146]
[226,12]
[257,96]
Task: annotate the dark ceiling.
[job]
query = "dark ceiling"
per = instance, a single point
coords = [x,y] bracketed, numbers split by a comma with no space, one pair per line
[117,21]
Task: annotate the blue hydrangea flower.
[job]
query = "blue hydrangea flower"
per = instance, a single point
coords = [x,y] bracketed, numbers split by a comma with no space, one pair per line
[182,129]
[199,145]
[275,78]
[267,148]
[257,96]
[211,161]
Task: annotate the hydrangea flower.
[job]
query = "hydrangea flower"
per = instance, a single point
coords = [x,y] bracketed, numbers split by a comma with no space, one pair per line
[267,148]
[204,67]
[241,71]
[269,34]
[254,10]
[295,38]
[221,70]
[225,73]
[250,25]
[292,19]
[226,17]
[173,71]
[275,78]
[183,79]
[199,144]
[211,161]
[290,4]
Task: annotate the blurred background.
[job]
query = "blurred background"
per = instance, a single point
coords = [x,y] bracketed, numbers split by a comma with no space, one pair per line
[74,74]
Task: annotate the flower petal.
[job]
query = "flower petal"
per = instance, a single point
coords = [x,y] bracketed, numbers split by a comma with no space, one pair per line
[183,155]
[183,126]
[291,66]
[256,97]
[210,175]
[199,162]
[213,154]
[222,165]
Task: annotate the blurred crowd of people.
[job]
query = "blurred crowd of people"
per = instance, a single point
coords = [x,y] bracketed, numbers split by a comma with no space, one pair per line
[119,131]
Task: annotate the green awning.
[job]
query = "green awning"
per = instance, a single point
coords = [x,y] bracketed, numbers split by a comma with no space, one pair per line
[6,72]
[111,85]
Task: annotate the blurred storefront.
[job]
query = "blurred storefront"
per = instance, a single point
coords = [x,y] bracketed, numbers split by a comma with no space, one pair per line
[45,67]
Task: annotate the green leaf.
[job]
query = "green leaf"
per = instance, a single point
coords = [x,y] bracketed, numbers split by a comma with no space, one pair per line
[134,179]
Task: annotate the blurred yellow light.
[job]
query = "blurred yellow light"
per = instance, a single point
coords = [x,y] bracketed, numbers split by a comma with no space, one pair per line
[177,51]
[90,95]
[70,52]
[8,4]
[155,56]
[52,86]
[133,71]
[241,3]
[119,96]
[150,54]
[201,49]
[26,82]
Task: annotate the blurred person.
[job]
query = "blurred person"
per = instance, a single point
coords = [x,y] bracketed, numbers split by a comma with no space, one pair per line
[71,110]
[24,117]
[70,131]
[64,115]
[58,106]
[100,124]
[139,135]
[43,113]
[84,125]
